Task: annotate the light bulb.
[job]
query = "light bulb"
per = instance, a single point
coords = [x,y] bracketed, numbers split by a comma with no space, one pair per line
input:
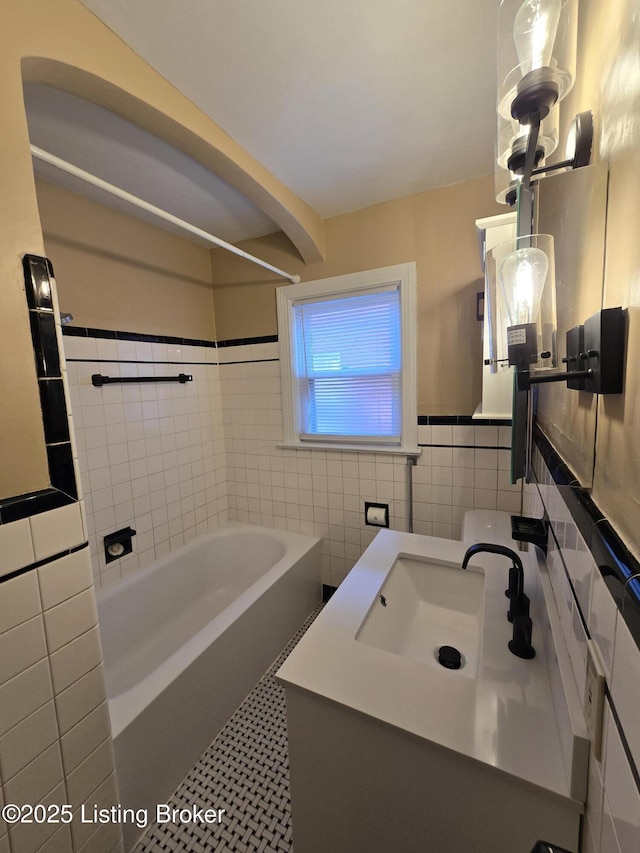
[522,277]
[534,31]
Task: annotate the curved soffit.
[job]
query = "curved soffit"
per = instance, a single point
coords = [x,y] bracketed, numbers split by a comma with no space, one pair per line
[302,225]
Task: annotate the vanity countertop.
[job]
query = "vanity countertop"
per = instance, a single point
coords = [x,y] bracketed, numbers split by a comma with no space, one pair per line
[504,717]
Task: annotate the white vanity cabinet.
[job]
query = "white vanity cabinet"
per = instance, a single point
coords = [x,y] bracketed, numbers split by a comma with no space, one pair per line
[390,751]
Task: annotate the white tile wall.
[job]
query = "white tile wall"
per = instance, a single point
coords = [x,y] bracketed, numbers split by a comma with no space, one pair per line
[56,531]
[323,492]
[55,738]
[170,460]
[621,794]
[151,455]
[16,546]
[612,819]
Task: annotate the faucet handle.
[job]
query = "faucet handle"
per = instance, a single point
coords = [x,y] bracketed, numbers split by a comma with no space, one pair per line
[519,606]
[520,644]
[513,590]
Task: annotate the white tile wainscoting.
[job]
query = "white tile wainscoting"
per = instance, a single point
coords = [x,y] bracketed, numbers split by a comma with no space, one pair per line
[323,492]
[55,734]
[585,604]
[173,461]
[150,456]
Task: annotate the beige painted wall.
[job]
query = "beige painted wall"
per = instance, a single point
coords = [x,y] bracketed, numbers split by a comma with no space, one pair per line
[608,82]
[436,229]
[114,271]
[61,43]
[572,207]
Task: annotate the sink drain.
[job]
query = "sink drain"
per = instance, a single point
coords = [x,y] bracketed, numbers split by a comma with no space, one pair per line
[449,657]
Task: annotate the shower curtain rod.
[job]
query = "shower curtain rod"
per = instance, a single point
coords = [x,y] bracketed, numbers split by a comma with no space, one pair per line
[157,211]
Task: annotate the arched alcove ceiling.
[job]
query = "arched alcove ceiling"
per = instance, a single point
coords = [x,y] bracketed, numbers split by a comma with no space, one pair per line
[123,154]
[212,149]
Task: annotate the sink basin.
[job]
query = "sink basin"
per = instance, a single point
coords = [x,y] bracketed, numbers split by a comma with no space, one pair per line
[424,605]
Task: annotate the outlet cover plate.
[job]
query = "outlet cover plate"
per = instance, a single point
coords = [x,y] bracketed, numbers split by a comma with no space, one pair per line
[594,698]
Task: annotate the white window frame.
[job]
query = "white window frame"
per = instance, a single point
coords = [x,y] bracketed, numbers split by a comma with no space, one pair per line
[402,275]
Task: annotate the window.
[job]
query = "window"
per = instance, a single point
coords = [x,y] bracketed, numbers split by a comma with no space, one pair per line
[347,354]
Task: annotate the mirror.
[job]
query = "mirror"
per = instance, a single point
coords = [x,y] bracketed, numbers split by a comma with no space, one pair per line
[572,207]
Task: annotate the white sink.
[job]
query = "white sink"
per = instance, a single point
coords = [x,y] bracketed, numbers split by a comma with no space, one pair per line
[424,605]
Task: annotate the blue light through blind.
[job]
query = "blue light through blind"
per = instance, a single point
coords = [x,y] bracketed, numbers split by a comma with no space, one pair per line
[348,367]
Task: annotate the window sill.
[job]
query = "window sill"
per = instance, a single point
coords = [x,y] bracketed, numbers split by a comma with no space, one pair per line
[353,448]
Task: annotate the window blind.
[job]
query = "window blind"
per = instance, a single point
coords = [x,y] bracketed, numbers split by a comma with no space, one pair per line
[347,365]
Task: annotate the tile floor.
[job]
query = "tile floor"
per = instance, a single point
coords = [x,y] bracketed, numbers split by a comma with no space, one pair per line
[246,772]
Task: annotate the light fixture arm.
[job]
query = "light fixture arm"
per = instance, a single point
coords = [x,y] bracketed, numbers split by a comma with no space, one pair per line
[543,170]
[530,158]
[525,379]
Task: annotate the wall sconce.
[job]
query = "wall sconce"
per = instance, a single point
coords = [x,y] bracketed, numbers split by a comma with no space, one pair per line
[537,42]
[521,284]
[595,356]
[536,69]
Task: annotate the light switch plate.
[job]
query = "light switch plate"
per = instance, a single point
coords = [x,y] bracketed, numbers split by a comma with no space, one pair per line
[594,698]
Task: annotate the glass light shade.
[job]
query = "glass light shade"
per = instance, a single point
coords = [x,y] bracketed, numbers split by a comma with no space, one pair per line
[522,276]
[534,32]
[521,281]
[513,138]
[534,35]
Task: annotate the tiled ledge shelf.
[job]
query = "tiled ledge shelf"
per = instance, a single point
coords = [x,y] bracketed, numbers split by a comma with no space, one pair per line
[62,490]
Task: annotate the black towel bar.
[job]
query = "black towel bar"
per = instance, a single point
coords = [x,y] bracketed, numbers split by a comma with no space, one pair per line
[97,379]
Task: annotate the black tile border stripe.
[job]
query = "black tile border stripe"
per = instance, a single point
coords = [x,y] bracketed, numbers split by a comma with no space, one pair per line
[468,446]
[44,562]
[116,335]
[110,334]
[249,361]
[32,503]
[62,490]
[461,420]
[614,560]
[238,342]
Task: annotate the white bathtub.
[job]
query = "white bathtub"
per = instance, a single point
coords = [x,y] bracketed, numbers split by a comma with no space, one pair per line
[185,640]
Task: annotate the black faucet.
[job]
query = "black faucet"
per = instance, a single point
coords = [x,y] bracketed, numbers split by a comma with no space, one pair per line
[518,613]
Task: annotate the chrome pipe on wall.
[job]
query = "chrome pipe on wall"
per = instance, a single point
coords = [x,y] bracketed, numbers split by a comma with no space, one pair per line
[411,461]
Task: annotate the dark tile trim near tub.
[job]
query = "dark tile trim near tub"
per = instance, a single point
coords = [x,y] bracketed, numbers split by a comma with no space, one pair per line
[62,489]
[44,562]
[615,561]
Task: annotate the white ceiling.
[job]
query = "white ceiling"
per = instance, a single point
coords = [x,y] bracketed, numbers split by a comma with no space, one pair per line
[348,102]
